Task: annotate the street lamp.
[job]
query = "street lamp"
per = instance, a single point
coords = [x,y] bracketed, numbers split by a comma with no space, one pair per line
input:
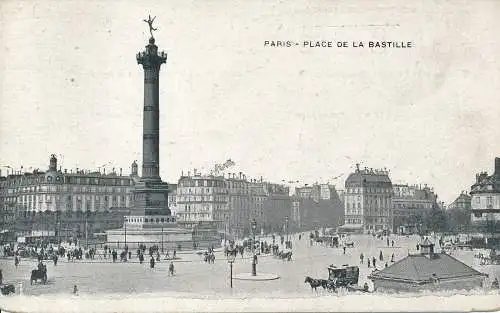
[286,225]
[162,239]
[125,229]
[254,260]
[231,256]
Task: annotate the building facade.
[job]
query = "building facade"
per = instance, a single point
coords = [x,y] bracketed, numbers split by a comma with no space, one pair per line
[316,206]
[238,204]
[64,201]
[462,202]
[201,199]
[231,203]
[276,208]
[411,204]
[485,204]
[172,199]
[55,190]
[368,201]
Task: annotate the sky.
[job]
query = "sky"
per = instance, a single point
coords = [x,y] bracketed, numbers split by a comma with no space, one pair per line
[70,85]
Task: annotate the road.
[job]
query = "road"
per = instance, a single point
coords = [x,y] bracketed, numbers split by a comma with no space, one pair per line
[193,276]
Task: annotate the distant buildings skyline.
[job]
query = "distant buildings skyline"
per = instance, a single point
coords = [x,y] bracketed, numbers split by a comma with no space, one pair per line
[229,200]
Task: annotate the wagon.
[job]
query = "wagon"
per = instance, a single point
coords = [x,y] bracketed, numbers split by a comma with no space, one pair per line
[344,276]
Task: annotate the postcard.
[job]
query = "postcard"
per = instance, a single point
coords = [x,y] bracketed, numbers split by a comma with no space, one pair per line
[249,156]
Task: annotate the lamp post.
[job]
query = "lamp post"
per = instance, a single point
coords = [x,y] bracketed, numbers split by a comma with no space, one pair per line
[254,259]
[125,227]
[231,256]
[286,225]
[86,230]
[162,240]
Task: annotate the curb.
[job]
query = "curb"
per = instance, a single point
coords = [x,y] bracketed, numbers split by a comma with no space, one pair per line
[259,277]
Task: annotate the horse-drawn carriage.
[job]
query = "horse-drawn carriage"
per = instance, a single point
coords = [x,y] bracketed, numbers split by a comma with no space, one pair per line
[285,254]
[7,289]
[338,277]
[39,274]
[344,276]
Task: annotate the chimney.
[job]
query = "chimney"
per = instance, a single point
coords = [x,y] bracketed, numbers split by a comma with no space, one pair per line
[52,163]
[497,167]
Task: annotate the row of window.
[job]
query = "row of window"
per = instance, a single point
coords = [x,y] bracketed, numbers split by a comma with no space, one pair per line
[376,220]
[150,220]
[66,188]
[71,180]
[201,199]
[201,183]
[50,198]
[353,221]
[369,190]
[189,208]
[412,205]
[489,200]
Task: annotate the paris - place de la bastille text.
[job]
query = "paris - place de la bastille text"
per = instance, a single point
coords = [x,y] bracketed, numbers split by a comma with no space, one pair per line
[337,44]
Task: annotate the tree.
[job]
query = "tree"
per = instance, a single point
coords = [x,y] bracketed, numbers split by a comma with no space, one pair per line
[458,219]
[436,220]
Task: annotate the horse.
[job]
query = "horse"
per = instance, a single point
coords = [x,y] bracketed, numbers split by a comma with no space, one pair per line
[315,283]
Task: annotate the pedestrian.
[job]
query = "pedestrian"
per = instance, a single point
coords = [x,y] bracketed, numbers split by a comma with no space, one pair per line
[369,263]
[374,262]
[75,290]
[361,257]
[130,255]
[344,249]
[175,253]
[386,264]
[381,256]
[494,284]
[392,242]
[171,269]
[1,277]
[387,241]
[16,261]
[152,262]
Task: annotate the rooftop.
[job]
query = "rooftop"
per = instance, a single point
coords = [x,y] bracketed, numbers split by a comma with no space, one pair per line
[421,268]
[366,175]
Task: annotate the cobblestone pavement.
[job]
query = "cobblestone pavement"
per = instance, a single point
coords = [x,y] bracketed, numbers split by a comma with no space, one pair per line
[195,276]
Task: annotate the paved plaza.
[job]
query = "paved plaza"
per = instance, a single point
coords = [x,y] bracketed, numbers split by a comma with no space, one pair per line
[195,277]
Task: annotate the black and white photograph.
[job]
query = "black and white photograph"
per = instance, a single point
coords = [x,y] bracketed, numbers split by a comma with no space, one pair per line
[250,156]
